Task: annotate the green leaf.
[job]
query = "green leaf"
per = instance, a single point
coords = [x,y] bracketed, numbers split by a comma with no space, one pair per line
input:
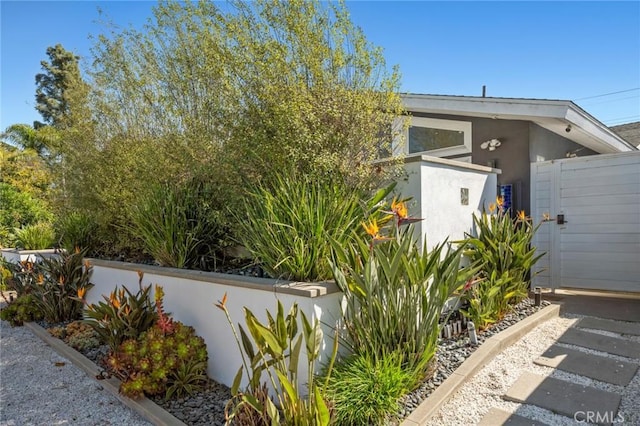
[323,416]
[288,388]
[252,401]
[312,337]
[236,382]
[273,413]
[381,194]
[295,355]
[273,345]
[246,343]
[281,329]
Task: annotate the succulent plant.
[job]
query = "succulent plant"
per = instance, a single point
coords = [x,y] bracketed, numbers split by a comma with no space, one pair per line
[81,336]
[21,310]
[77,334]
[83,342]
[169,358]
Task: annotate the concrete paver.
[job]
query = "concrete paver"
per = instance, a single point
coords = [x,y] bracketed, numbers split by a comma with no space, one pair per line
[609,325]
[599,342]
[588,365]
[559,396]
[591,305]
[497,417]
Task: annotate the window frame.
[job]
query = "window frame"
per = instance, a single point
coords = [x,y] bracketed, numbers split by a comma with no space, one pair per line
[438,123]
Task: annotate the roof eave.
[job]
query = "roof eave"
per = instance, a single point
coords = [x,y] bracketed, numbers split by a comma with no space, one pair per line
[553,115]
[602,136]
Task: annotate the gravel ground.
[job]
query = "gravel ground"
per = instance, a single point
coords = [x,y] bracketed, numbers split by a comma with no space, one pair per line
[486,388]
[39,387]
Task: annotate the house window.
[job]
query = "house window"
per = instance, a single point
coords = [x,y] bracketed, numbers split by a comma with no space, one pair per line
[440,138]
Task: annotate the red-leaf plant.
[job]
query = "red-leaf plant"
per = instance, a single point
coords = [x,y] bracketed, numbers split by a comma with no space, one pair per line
[164,322]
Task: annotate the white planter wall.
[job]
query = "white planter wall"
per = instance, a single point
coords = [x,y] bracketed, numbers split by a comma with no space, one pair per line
[17,256]
[435,187]
[190,297]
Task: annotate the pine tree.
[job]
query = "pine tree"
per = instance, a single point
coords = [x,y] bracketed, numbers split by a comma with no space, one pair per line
[52,85]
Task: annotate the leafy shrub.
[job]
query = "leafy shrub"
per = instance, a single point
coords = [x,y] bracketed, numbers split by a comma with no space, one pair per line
[395,292]
[122,316]
[77,231]
[363,391]
[485,299]
[166,359]
[288,227]
[6,274]
[503,246]
[38,236]
[23,309]
[60,286]
[178,224]
[276,353]
[19,209]
[24,276]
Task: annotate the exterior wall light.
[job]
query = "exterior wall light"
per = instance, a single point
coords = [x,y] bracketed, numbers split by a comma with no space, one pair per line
[491,145]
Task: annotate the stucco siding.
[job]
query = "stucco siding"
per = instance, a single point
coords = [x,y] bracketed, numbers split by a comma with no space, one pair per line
[545,145]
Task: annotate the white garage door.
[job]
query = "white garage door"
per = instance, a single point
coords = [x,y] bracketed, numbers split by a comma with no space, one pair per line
[598,245]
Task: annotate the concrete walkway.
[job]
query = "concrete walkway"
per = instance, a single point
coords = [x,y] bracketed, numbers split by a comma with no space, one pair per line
[602,346]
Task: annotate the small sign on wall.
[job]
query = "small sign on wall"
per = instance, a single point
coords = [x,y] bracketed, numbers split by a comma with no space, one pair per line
[464,196]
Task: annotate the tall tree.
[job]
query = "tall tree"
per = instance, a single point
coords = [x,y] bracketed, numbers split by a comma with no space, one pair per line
[60,73]
[267,82]
[227,95]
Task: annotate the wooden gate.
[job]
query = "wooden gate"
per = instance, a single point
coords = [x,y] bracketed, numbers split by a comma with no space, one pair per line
[592,238]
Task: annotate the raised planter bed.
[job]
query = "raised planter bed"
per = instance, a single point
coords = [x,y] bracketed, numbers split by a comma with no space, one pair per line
[17,256]
[190,297]
[488,349]
[144,406]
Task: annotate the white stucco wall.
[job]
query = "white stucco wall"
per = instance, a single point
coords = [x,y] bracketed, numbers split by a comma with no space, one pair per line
[435,184]
[190,297]
[17,256]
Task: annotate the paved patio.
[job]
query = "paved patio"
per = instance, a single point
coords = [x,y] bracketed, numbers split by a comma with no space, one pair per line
[606,350]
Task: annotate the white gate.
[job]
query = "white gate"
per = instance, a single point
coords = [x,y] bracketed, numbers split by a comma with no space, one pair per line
[592,239]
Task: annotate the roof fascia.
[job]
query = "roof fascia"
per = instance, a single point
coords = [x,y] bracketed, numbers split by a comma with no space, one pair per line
[583,120]
[553,115]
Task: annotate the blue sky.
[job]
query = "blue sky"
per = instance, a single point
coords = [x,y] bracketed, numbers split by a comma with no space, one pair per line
[581,51]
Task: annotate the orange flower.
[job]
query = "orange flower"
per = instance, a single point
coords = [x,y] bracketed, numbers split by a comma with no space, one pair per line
[221,303]
[500,202]
[372,228]
[522,215]
[81,292]
[40,279]
[492,207]
[114,300]
[399,208]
